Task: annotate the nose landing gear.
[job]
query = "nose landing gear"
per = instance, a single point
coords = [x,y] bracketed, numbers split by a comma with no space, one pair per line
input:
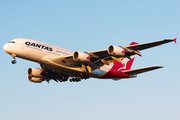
[14,61]
[14,57]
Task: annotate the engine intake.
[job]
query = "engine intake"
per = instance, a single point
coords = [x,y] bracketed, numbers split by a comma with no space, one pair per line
[81,56]
[116,50]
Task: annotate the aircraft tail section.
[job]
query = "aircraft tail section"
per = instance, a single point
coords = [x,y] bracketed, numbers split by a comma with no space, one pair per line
[127,62]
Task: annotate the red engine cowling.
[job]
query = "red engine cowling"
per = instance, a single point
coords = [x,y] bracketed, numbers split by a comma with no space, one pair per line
[81,56]
[35,75]
[116,50]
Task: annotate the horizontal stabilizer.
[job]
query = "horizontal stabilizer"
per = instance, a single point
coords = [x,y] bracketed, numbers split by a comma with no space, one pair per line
[141,70]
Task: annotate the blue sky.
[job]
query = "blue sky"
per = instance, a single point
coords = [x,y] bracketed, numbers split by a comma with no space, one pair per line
[87,26]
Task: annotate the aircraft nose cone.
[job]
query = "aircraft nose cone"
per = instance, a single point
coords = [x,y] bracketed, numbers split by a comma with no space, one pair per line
[6,47]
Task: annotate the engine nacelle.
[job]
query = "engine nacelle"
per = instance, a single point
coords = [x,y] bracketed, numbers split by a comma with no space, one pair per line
[81,56]
[116,50]
[35,72]
[35,79]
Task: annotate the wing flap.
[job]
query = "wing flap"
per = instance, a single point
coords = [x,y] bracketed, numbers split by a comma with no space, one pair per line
[141,70]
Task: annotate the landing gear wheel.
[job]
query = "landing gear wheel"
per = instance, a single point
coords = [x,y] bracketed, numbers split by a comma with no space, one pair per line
[14,61]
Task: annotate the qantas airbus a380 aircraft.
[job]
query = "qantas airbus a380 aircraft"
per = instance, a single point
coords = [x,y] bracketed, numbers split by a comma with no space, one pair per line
[60,64]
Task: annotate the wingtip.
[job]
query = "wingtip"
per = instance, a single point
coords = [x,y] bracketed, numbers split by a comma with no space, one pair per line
[175,40]
[158,67]
[133,43]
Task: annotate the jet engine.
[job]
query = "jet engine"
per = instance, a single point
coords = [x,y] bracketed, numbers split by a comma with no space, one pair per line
[35,75]
[35,79]
[116,50]
[35,72]
[81,56]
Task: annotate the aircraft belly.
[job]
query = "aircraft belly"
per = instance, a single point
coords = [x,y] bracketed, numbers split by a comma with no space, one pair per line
[97,73]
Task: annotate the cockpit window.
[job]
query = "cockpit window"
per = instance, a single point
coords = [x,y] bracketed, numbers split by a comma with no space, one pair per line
[11,42]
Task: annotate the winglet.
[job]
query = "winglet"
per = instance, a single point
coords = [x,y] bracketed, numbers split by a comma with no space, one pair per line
[133,43]
[175,40]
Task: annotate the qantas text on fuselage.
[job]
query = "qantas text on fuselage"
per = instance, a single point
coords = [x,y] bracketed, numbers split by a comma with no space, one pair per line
[38,46]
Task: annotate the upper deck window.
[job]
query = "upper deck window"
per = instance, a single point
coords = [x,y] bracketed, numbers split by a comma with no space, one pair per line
[11,42]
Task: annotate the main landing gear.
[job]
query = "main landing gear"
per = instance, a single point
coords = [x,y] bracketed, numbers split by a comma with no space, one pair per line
[78,79]
[75,79]
[14,57]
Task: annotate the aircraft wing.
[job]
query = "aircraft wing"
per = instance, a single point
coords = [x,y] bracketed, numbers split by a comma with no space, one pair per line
[102,57]
[141,70]
[150,44]
[133,49]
